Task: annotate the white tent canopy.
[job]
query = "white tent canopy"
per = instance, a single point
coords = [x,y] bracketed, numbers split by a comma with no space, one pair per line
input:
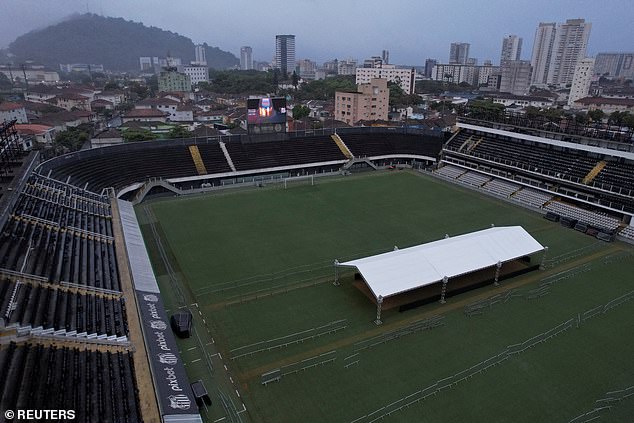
[414,267]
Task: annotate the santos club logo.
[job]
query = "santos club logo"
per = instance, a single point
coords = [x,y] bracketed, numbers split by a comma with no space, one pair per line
[167,358]
[158,324]
[180,402]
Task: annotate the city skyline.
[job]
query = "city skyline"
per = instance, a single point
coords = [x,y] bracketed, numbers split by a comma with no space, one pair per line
[410,32]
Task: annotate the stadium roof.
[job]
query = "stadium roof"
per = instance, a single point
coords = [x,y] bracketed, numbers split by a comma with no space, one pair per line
[414,267]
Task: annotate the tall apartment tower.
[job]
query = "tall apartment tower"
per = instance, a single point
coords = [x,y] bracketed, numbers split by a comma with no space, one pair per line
[459,53]
[511,48]
[570,48]
[386,57]
[201,57]
[246,58]
[558,50]
[285,53]
[581,80]
[542,51]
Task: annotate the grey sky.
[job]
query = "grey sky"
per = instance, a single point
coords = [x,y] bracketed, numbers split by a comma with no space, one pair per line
[412,30]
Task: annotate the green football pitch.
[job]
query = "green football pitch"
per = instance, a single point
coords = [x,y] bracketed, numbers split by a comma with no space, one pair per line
[256,268]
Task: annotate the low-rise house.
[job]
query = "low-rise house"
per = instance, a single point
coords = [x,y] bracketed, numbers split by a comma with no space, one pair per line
[106,138]
[146,115]
[42,134]
[607,104]
[13,111]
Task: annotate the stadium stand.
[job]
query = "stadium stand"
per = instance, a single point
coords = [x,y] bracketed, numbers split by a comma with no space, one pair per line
[600,220]
[474,178]
[449,171]
[58,239]
[135,165]
[61,312]
[262,155]
[60,233]
[628,233]
[501,187]
[602,177]
[98,386]
[378,144]
[532,197]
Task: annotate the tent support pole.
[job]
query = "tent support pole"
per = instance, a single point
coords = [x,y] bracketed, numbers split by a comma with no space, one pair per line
[542,265]
[379,301]
[443,291]
[498,266]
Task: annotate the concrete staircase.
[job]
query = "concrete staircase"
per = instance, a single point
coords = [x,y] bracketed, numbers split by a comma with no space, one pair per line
[198,160]
[594,172]
[342,146]
[223,147]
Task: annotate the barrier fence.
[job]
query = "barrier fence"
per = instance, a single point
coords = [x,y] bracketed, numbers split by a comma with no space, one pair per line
[285,341]
[277,374]
[508,352]
[604,404]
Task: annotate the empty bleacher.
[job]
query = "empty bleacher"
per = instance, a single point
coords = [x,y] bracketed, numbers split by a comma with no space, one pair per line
[531,197]
[616,177]
[378,144]
[45,310]
[473,178]
[628,232]
[451,172]
[98,386]
[262,155]
[213,158]
[121,167]
[501,187]
[60,236]
[596,219]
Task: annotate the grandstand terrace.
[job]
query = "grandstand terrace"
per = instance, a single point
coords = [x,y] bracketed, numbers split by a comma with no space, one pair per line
[75,305]
[587,181]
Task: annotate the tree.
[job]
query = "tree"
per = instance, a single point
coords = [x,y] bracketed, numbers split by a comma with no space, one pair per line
[134,135]
[628,120]
[617,118]
[295,79]
[596,115]
[71,139]
[179,132]
[300,111]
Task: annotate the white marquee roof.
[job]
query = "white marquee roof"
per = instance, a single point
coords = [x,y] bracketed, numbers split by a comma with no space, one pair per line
[402,270]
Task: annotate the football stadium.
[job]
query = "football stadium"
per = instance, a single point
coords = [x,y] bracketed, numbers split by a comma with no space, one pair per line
[358,275]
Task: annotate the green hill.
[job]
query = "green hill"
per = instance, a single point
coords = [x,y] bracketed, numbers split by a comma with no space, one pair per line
[113,42]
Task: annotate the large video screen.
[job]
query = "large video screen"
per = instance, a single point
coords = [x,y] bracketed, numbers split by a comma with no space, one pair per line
[266,111]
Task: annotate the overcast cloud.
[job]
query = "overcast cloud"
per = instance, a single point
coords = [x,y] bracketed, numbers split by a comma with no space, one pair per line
[412,30]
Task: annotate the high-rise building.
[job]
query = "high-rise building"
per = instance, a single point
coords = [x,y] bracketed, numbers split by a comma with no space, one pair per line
[581,80]
[429,66]
[386,56]
[615,65]
[542,51]
[246,58]
[370,102]
[347,67]
[511,48]
[404,77]
[459,53]
[515,76]
[285,54]
[201,56]
[307,69]
[570,48]
[558,49]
